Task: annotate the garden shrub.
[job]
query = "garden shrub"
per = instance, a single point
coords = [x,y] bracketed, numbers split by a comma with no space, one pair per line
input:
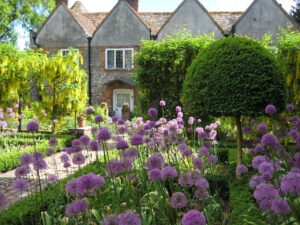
[233,76]
[219,185]
[222,154]
[161,68]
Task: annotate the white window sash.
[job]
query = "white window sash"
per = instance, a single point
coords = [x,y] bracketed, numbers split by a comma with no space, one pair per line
[115,57]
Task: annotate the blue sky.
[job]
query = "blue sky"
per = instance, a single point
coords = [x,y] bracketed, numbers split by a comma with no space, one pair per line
[162,6]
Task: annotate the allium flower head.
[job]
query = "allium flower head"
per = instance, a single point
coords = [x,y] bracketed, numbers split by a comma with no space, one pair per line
[201,193]
[98,119]
[111,219]
[269,140]
[152,112]
[122,130]
[32,126]
[104,134]
[94,145]
[178,200]
[26,159]
[212,159]
[39,164]
[130,218]
[265,192]
[178,109]
[71,186]
[9,110]
[191,120]
[89,183]
[78,158]
[247,130]
[265,167]
[50,151]
[114,119]
[53,142]
[257,161]
[67,165]
[85,140]
[89,111]
[154,174]
[162,103]
[193,217]
[262,128]
[156,160]
[203,151]
[270,109]
[76,143]
[197,163]
[95,130]
[290,183]
[168,172]
[290,107]
[21,171]
[79,206]
[52,178]
[242,169]
[64,158]
[136,140]
[37,155]
[21,185]
[120,122]
[122,144]
[280,206]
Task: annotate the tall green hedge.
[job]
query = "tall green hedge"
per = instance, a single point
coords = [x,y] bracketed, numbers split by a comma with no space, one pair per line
[161,69]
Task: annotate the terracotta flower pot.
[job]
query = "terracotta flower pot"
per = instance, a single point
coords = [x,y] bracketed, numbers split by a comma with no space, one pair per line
[81,122]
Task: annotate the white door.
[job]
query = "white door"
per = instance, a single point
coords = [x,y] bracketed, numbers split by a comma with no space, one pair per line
[122,96]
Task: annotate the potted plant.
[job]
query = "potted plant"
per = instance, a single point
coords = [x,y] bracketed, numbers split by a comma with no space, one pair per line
[81,119]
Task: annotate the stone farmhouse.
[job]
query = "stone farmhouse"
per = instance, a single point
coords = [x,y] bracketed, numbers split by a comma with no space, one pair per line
[108,40]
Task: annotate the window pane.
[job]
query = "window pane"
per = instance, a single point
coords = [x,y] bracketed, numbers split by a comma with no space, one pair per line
[119,59]
[110,59]
[119,100]
[64,52]
[128,59]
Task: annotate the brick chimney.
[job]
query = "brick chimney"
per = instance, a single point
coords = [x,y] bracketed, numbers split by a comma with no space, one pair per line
[133,3]
[64,1]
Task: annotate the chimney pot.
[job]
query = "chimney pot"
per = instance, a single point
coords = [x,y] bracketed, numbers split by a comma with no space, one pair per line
[133,3]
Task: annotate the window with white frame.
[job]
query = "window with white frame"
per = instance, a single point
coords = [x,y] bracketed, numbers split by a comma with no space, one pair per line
[119,58]
[64,52]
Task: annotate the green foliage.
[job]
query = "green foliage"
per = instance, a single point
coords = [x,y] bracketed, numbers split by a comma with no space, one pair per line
[233,76]
[63,85]
[11,160]
[162,67]
[218,184]
[295,12]
[30,14]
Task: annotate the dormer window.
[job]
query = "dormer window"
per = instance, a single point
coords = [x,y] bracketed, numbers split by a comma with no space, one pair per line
[119,58]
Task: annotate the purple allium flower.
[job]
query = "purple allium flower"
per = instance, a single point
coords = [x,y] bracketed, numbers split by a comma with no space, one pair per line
[32,126]
[78,158]
[136,140]
[255,180]
[114,119]
[39,164]
[270,109]
[26,159]
[9,110]
[130,218]
[242,169]
[89,111]
[71,186]
[247,130]
[50,151]
[94,145]
[290,183]
[122,130]
[53,142]
[154,174]
[52,178]
[267,176]
[21,185]
[191,120]
[115,166]
[54,121]
[290,107]
[85,140]
[190,130]
[203,151]
[178,109]
[37,155]
[201,193]
[70,150]
[104,134]
[67,165]
[269,140]
[259,148]
[94,130]
[265,167]
[257,161]
[64,158]
[280,206]
[193,217]
[98,119]
[89,183]
[3,204]
[168,172]
[21,171]
[76,143]
[152,112]
[120,122]
[178,200]
[212,159]
[197,163]
[156,160]
[111,219]
[265,192]
[122,144]
[262,128]
[132,153]
[79,206]
[162,103]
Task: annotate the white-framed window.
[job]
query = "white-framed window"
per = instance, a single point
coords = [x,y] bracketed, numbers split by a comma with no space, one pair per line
[119,58]
[64,52]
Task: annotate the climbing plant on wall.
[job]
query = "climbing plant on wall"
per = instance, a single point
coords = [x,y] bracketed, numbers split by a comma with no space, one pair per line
[161,68]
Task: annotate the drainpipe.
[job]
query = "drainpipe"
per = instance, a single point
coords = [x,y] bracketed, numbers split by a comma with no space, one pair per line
[89,70]
[34,41]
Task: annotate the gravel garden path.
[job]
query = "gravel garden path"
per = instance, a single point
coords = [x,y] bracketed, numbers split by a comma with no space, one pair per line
[7,179]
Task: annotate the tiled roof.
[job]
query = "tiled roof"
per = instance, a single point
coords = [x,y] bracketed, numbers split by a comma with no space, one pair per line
[79,7]
[226,19]
[154,20]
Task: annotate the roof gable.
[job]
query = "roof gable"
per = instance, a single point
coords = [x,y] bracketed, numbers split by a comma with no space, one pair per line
[62,29]
[192,15]
[122,26]
[261,17]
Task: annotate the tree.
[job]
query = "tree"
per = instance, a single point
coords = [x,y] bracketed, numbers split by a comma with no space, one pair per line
[161,68]
[295,12]
[234,77]
[30,14]
[63,86]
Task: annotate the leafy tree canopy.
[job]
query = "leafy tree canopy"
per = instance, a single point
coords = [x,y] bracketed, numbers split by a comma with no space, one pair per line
[295,12]
[30,14]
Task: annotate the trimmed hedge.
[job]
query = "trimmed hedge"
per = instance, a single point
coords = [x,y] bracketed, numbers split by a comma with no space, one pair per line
[11,160]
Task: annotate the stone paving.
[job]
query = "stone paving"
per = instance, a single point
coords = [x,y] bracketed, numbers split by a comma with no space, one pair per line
[7,179]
